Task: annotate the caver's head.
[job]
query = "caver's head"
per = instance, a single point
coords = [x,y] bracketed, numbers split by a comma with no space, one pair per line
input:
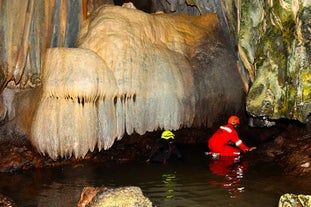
[168,135]
[234,120]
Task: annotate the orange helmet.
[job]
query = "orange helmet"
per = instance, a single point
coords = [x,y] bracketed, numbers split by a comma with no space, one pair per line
[233,120]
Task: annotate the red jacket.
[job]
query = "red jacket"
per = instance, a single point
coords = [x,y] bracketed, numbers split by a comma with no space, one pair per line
[219,141]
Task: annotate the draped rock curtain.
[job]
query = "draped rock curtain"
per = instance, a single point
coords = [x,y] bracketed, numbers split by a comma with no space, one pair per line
[27,29]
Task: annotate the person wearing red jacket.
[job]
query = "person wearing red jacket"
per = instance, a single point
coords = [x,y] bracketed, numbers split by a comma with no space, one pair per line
[226,142]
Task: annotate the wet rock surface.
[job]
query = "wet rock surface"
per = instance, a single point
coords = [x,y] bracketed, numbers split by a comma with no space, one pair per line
[17,153]
[112,197]
[290,148]
[6,201]
[20,155]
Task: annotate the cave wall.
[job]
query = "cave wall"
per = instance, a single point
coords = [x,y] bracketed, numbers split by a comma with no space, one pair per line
[274,46]
[266,39]
[27,29]
[271,39]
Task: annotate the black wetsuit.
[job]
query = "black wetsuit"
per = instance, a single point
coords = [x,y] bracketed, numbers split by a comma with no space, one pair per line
[164,150]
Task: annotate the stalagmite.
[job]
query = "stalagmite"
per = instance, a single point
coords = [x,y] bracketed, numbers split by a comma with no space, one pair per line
[133,72]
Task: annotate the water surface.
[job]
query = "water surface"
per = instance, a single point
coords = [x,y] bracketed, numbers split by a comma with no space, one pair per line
[195,181]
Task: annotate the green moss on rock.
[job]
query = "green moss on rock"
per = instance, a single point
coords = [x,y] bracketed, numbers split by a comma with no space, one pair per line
[281,88]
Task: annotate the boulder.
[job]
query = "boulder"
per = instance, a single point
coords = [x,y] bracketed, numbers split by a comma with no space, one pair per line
[128,196]
[293,200]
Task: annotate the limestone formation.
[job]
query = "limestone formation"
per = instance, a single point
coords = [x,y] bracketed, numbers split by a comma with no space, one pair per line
[75,111]
[27,29]
[133,72]
[191,42]
[194,78]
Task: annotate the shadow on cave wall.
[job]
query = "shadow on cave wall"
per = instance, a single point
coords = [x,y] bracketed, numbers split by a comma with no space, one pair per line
[145,5]
[151,6]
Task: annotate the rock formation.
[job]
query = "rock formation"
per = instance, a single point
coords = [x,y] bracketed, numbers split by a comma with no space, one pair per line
[109,197]
[293,200]
[182,54]
[133,72]
[275,47]
[27,29]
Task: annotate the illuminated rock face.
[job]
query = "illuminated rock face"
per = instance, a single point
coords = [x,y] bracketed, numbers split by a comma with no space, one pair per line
[134,72]
[275,47]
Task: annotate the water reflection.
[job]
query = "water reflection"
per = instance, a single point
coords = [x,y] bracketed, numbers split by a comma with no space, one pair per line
[232,170]
[177,184]
[169,181]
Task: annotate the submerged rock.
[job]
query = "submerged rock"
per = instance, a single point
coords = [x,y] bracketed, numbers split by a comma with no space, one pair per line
[113,197]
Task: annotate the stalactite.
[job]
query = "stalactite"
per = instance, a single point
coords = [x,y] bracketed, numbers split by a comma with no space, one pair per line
[75,103]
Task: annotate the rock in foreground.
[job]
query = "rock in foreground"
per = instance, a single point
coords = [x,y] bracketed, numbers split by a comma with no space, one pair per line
[113,197]
[292,200]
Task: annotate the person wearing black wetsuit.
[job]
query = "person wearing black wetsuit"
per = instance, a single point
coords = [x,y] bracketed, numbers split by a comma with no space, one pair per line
[165,149]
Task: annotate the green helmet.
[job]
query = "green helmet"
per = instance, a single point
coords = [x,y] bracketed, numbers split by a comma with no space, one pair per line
[167,135]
